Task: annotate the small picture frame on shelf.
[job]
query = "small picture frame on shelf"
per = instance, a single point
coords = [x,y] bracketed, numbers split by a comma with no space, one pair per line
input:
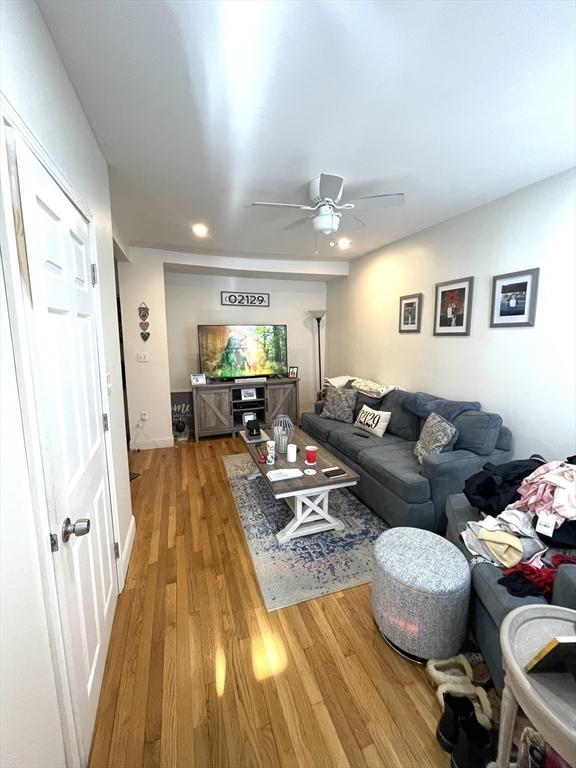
[248,394]
[514,299]
[293,372]
[197,378]
[410,313]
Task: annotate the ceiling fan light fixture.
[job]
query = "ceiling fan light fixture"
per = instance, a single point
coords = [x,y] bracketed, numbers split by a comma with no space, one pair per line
[344,243]
[326,221]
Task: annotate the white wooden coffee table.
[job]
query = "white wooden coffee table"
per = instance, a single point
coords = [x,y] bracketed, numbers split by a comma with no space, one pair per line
[308,496]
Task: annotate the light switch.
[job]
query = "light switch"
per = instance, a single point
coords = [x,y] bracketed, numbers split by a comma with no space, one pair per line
[142,357]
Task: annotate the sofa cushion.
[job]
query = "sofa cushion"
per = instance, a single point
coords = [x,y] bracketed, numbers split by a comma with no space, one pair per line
[339,404]
[316,426]
[423,404]
[371,421]
[495,597]
[478,431]
[396,467]
[362,399]
[402,423]
[351,441]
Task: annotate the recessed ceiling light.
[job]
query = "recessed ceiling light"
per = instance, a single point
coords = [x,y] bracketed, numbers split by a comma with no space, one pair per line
[332,243]
[200,230]
[344,243]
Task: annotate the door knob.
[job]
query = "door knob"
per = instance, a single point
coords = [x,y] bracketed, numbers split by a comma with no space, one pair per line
[80,528]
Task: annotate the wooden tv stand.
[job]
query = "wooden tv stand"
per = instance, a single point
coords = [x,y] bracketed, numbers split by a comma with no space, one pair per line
[218,407]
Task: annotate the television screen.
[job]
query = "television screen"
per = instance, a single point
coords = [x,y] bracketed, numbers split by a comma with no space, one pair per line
[234,351]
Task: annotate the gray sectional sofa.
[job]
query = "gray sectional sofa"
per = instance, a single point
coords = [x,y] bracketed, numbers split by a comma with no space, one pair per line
[491,601]
[392,481]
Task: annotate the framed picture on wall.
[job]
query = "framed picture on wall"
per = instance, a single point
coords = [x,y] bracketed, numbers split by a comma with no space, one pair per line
[514,299]
[453,307]
[410,313]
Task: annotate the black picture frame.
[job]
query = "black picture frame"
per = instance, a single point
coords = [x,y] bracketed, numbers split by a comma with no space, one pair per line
[415,313]
[453,307]
[514,297]
[293,372]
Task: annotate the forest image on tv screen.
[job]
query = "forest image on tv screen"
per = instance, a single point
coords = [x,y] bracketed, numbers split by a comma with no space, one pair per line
[229,351]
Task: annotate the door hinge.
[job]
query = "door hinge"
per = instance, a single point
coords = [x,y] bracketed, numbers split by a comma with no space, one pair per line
[116,550]
[94,274]
[105,422]
[54,542]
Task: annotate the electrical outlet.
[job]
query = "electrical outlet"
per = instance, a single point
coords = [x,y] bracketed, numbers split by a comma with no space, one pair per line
[142,357]
[143,415]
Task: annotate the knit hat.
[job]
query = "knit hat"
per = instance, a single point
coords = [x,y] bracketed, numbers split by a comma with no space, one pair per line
[505,547]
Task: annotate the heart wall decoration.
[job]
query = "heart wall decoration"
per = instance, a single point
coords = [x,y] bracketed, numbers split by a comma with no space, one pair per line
[145,335]
[144,326]
[143,311]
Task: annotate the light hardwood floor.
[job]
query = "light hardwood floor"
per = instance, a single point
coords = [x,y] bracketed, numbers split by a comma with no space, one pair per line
[199,674]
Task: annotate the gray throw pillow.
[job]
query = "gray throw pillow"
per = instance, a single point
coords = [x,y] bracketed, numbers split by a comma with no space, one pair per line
[339,404]
[437,436]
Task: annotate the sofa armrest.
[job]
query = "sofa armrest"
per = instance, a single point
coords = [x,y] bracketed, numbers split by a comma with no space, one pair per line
[318,407]
[446,473]
[564,593]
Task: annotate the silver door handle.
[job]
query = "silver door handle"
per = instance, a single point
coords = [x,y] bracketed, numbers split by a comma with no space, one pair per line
[80,528]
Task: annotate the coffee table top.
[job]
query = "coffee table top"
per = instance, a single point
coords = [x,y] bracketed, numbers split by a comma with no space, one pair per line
[283,488]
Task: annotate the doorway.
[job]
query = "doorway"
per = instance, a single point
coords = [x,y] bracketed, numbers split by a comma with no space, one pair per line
[50,268]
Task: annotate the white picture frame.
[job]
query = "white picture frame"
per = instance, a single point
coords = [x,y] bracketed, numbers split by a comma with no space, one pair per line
[197,378]
[248,393]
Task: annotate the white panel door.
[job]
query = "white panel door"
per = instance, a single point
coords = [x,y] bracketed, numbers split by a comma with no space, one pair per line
[66,368]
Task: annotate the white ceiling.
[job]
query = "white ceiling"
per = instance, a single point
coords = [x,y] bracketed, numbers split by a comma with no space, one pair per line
[202,107]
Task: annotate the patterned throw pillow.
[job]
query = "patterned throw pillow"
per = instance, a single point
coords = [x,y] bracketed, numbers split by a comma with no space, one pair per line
[339,404]
[339,381]
[374,422]
[372,388]
[437,436]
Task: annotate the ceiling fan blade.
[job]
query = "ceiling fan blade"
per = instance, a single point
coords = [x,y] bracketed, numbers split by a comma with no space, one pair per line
[378,201]
[285,205]
[299,223]
[351,223]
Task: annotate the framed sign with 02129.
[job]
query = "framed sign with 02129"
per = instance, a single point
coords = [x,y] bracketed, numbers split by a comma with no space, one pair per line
[244,299]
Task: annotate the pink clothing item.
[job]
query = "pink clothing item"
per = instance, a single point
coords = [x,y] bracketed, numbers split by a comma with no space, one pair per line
[550,489]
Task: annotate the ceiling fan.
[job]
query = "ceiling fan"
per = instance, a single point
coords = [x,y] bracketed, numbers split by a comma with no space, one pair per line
[326,209]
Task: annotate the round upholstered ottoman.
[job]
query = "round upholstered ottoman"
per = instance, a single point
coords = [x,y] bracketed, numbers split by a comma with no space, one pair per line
[420,592]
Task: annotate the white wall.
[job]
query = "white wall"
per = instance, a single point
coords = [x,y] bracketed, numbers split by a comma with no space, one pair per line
[35,83]
[193,300]
[528,375]
[147,384]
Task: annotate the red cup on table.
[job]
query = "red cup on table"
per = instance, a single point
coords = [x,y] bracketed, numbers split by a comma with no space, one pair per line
[311,454]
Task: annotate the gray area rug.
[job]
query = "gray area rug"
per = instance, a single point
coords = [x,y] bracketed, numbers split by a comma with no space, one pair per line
[310,566]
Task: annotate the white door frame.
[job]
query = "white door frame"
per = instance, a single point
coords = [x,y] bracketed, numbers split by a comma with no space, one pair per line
[11,124]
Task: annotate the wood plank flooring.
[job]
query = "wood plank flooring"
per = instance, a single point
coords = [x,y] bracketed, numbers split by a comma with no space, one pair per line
[200,675]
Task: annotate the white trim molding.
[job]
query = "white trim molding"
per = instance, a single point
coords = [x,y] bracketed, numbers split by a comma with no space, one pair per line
[138,444]
[127,551]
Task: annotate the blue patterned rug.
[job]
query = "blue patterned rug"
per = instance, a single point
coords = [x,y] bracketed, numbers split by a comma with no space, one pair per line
[310,566]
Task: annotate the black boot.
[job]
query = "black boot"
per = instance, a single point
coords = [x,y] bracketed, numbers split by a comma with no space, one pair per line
[474,747]
[456,708]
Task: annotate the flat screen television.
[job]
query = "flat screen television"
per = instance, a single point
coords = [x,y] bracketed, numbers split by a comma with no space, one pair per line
[237,351]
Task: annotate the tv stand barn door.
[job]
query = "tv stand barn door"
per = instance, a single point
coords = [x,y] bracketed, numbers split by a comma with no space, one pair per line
[215,405]
[281,398]
[212,410]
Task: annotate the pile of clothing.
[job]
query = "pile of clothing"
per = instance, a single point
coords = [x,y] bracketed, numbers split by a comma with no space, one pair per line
[542,515]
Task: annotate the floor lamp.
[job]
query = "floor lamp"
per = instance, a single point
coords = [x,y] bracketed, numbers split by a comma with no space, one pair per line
[318,314]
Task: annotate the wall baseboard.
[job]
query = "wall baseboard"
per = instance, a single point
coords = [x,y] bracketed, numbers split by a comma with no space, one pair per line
[127,549]
[158,442]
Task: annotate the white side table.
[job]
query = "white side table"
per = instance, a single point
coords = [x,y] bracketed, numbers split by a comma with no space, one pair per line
[547,699]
